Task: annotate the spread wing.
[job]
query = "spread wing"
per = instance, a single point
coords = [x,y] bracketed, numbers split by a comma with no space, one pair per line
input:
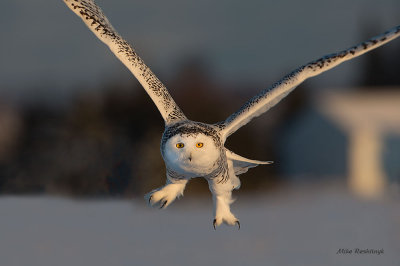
[98,23]
[269,97]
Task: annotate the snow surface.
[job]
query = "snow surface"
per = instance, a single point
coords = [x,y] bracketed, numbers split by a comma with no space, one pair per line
[302,225]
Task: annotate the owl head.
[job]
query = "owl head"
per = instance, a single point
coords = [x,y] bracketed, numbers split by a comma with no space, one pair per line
[191,153]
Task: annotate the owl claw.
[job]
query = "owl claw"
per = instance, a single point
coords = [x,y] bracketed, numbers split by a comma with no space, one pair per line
[238,224]
[215,224]
[150,199]
[164,203]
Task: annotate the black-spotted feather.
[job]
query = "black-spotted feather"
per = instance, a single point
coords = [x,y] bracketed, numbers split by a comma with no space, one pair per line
[98,23]
[269,97]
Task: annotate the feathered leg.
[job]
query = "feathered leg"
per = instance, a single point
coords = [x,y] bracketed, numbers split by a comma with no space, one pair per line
[222,198]
[165,195]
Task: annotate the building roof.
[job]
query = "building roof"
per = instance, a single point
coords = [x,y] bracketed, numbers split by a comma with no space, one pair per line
[377,109]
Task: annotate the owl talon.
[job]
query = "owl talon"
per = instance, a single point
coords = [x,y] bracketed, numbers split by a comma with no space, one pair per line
[238,224]
[214,224]
[164,203]
[150,199]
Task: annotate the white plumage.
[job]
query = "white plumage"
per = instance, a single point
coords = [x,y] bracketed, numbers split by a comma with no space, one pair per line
[191,160]
[193,149]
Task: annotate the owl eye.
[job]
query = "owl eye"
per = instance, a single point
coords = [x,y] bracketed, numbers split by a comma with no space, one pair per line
[180,145]
[199,144]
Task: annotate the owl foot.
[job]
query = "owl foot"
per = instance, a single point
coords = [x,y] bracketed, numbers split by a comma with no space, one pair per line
[222,211]
[165,195]
[229,219]
[215,224]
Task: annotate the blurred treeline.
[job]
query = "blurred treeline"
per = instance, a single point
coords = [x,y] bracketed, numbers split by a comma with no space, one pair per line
[106,143]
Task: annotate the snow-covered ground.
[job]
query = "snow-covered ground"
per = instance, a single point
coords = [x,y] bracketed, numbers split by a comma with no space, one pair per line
[302,225]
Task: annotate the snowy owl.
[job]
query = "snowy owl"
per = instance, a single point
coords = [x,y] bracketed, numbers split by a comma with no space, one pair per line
[193,149]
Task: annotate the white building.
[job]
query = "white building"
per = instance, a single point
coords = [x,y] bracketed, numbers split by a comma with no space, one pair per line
[352,134]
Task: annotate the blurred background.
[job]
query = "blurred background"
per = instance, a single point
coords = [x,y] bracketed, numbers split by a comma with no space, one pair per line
[75,124]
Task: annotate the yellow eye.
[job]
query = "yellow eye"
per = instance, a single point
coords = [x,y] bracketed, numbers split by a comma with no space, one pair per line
[199,144]
[180,145]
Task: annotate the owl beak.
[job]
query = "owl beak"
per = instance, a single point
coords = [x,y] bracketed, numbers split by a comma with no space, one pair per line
[190,157]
